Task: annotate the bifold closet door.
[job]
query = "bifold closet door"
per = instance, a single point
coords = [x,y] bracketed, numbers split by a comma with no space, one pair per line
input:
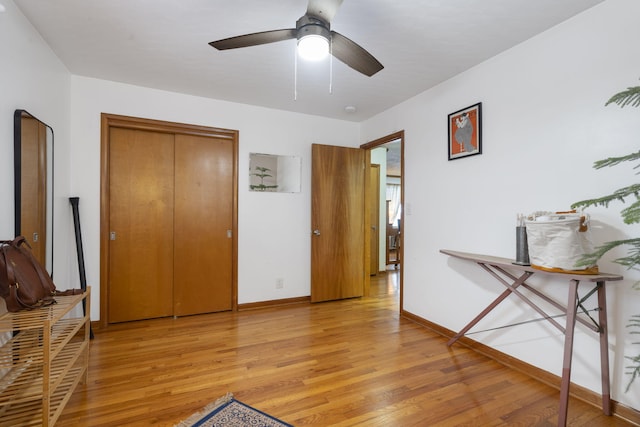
[141,215]
[203,244]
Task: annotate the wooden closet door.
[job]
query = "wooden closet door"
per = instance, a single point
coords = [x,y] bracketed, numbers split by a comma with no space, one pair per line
[203,248]
[141,193]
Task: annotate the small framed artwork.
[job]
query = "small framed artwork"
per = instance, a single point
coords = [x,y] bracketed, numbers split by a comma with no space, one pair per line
[465,132]
[272,173]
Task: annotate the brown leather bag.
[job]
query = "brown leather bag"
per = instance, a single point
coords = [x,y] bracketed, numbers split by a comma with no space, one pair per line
[24,282]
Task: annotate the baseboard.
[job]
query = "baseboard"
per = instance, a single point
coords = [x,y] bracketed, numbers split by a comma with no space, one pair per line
[274,303]
[97,324]
[619,410]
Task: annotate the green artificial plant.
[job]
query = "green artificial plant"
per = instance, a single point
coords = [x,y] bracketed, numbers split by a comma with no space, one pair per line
[262,173]
[630,215]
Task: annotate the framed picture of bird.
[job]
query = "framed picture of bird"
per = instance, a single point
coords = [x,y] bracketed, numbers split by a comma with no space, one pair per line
[465,132]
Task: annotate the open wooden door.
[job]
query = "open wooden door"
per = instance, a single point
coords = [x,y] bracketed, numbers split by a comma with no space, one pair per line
[338,256]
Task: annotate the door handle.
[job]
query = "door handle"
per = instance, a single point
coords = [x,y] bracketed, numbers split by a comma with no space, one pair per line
[316,232]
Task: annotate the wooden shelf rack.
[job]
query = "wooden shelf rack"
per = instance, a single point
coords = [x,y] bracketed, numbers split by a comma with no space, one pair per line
[45,358]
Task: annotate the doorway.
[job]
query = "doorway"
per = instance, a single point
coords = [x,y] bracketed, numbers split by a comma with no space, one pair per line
[394,145]
[168,243]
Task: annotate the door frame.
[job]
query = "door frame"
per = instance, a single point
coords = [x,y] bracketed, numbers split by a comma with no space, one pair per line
[109,121]
[399,135]
[374,207]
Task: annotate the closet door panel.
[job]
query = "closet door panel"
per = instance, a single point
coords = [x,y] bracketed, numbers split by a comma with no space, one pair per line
[141,193]
[203,245]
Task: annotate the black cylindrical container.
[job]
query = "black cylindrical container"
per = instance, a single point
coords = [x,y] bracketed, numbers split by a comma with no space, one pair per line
[522,248]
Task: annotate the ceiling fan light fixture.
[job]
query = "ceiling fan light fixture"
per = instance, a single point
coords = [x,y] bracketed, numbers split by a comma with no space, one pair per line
[313,47]
[315,40]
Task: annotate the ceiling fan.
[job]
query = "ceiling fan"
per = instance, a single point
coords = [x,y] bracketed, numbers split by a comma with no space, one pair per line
[315,25]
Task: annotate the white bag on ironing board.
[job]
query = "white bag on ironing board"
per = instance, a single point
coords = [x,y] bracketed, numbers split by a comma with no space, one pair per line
[558,241]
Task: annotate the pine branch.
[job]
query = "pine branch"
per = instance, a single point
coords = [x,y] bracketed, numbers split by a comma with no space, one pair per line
[632,259]
[631,96]
[612,161]
[620,195]
[634,369]
[261,175]
[631,215]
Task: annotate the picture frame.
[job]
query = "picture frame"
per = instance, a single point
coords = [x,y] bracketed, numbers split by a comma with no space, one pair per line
[273,173]
[465,132]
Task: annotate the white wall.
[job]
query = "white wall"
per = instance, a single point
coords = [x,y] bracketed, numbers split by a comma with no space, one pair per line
[274,228]
[544,124]
[33,78]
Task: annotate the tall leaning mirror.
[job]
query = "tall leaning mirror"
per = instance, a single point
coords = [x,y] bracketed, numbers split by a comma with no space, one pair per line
[33,169]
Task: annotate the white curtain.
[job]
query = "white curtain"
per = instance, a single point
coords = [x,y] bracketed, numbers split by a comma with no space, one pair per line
[393,194]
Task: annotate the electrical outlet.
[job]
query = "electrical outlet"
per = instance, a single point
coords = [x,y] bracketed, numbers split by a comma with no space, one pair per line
[279,283]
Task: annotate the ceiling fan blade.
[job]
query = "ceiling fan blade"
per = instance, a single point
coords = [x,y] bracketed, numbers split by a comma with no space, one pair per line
[354,55]
[323,9]
[254,39]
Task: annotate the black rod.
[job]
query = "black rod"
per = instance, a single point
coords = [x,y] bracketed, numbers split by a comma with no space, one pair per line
[76,223]
[75,201]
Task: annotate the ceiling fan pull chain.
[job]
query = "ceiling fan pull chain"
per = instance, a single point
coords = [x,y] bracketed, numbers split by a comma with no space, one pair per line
[295,76]
[330,66]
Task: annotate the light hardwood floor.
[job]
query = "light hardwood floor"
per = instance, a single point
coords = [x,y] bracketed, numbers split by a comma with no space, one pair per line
[343,363]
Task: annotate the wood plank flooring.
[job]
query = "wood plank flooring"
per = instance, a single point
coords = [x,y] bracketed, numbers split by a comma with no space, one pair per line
[342,363]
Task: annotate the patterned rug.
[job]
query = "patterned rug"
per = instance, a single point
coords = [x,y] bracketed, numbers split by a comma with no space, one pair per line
[228,412]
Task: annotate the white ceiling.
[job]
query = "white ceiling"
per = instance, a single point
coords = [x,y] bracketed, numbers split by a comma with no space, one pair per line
[163,44]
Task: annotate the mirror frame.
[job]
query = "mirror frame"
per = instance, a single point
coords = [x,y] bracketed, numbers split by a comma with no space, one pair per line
[17,165]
